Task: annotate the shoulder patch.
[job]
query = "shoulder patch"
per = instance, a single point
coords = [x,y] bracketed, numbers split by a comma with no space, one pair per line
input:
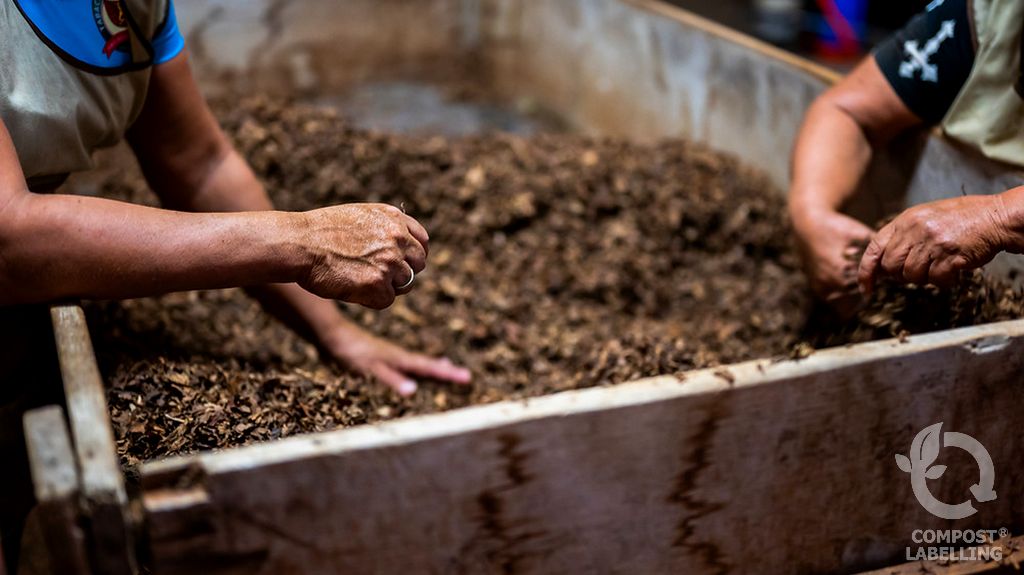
[98,36]
[918,58]
[928,62]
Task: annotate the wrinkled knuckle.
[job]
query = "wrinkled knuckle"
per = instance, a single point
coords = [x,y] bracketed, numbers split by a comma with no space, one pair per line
[920,213]
[396,231]
[375,279]
[932,229]
[947,242]
[959,262]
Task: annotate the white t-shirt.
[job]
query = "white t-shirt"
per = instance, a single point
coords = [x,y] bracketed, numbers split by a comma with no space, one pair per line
[73,76]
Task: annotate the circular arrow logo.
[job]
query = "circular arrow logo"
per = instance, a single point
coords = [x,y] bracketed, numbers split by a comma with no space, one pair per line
[925,450]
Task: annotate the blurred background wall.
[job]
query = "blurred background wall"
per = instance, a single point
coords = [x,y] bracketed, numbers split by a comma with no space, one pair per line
[833,31]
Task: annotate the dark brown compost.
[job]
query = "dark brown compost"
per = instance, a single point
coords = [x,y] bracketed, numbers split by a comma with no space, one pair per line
[557,262]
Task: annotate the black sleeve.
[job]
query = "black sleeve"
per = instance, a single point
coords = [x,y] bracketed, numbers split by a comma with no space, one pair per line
[928,61]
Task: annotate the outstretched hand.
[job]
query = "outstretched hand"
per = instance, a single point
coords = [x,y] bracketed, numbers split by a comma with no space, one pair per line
[393,365]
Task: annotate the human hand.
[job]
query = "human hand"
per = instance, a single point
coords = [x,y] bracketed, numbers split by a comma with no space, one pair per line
[362,253]
[828,243]
[932,243]
[391,364]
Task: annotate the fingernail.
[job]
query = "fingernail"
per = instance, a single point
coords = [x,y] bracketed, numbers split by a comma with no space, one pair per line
[464,375]
[407,388]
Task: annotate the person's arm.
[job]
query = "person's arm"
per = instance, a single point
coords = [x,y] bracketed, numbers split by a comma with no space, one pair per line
[831,156]
[192,166]
[934,242]
[911,80]
[57,246]
[54,247]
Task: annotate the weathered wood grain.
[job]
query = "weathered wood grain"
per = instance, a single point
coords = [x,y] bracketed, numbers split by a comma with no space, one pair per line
[54,471]
[54,543]
[102,482]
[791,463]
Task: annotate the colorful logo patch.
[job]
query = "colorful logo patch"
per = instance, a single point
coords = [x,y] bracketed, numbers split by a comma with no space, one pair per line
[97,35]
[112,22]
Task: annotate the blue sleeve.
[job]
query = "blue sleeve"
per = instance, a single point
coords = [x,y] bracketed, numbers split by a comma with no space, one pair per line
[168,41]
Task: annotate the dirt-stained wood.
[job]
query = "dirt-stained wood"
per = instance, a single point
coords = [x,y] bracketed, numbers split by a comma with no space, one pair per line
[54,471]
[658,476]
[54,542]
[102,482]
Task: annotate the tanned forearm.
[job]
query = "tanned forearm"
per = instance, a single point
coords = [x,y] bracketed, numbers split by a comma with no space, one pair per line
[58,246]
[835,145]
[831,155]
[230,186]
[190,164]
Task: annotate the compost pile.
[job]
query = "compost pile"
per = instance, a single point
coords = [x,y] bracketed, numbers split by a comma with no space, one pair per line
[557,262]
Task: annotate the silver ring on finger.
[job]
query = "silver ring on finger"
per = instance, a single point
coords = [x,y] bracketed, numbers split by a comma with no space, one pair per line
[412,278]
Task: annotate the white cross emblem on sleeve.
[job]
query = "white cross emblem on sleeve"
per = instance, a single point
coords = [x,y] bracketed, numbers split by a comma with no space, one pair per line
[918,59]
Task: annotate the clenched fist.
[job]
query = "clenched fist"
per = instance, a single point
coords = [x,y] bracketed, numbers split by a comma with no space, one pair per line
[362,253]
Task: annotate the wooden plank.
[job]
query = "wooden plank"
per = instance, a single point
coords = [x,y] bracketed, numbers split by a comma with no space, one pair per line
[54,472]
[102,482]
[54,542]
[87,406]
[658,476]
